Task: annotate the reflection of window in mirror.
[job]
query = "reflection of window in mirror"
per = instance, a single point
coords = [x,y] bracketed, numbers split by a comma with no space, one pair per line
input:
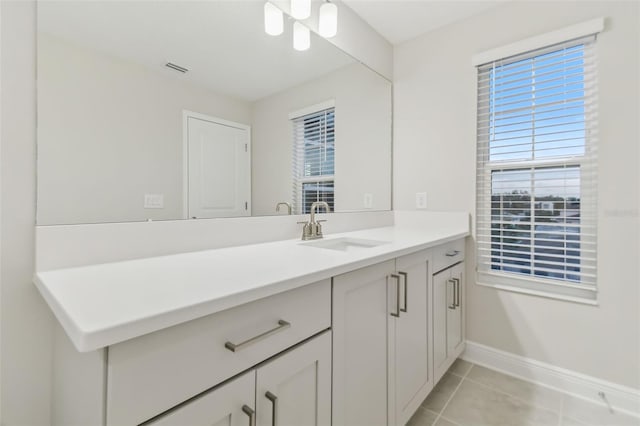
[313,156]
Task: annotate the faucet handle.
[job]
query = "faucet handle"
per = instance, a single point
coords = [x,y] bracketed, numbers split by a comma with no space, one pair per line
[308,230]
[319,228]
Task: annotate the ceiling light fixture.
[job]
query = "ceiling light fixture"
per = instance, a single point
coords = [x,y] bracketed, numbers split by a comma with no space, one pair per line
[300,9]
[301,37]
[273,20]
[328,21]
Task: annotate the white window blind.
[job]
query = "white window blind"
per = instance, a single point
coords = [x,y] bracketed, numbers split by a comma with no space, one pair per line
[313,159]
[536,193]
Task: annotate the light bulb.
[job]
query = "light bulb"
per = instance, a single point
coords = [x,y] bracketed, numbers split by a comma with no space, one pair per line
[301,37]
[300,9]
[328,23]
[273,20]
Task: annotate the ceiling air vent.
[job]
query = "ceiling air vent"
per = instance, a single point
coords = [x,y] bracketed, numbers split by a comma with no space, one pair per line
[176,67]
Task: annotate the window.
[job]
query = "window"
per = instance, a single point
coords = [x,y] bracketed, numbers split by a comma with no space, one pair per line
[313,159]
[536,194]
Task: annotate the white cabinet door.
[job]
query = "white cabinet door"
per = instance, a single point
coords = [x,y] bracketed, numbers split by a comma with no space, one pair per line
[218,165]
[440,307]
[231,404]
[410,378]
[295,388]
[448,318]
[454,316]
[360,312]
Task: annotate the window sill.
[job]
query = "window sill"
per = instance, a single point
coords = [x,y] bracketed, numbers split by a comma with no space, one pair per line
[585,297]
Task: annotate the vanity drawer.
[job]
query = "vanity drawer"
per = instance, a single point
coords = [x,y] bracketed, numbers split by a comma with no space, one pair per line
[152,373]
[448,254]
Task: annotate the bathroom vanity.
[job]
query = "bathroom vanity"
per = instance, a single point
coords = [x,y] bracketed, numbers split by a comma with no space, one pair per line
[232,321]
[355,328]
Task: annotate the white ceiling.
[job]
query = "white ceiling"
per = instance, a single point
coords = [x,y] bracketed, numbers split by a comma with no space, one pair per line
[402,20]
[222,43]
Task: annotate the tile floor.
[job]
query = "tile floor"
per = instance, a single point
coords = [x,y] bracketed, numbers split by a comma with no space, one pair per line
[471,395]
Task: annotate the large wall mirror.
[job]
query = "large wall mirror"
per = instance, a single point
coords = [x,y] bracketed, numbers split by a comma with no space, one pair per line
[188,109]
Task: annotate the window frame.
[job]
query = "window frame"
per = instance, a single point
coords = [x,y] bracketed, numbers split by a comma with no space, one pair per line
[299,180]
[531,284]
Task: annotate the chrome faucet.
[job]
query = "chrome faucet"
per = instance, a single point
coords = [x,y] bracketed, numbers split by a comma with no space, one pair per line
[312,230]
[287,205]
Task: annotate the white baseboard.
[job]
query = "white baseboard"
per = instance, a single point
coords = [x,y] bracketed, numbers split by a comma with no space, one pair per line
[622,398]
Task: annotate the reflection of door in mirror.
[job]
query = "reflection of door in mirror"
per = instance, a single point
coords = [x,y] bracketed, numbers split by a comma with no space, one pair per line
[217,167]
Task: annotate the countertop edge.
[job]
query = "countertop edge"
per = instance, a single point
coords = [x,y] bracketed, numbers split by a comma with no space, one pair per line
[90,340]
[74,333]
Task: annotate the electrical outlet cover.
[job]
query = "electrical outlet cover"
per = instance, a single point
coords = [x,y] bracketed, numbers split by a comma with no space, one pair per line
[368,201]
[153,201]
[421,200]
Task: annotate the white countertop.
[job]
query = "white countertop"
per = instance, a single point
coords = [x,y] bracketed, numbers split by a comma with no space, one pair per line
[100,305]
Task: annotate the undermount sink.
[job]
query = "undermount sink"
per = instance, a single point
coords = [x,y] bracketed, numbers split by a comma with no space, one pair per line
[345,244]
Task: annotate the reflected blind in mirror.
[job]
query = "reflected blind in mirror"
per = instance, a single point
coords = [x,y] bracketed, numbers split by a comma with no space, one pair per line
[313,159]
[536,193]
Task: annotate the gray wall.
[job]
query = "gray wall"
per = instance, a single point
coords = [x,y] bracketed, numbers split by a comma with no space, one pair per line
[126,145]
[26,323]
[363,135]
[434,148]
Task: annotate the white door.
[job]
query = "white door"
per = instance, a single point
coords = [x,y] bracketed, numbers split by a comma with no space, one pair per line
[360,312]
[218,168]
[231,404]
[442,303]
[410,370]
[295,388]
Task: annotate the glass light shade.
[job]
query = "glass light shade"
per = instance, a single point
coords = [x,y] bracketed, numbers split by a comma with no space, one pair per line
[328,24]
[301,37]
[273,20]
[300,9]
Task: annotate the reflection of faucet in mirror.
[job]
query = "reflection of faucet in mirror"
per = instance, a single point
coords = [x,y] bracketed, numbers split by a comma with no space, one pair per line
[283,204]
[313,230]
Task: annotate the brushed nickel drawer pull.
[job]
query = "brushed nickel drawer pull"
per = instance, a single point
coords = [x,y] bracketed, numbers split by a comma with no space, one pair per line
[452,253]
[233,347]
[457,283]
[251,413]
[397,312]
[274,409]
[406,289]
[453,303]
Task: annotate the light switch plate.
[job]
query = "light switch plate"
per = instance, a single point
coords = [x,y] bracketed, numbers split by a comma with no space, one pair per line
[153,201]
[368,200]
[421,200]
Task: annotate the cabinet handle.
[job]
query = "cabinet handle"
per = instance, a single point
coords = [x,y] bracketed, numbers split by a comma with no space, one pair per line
[251,413]
[457,284]
[452,253]
[397,313]
[453,303]
[406,289]
[233,347]
[274,410]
